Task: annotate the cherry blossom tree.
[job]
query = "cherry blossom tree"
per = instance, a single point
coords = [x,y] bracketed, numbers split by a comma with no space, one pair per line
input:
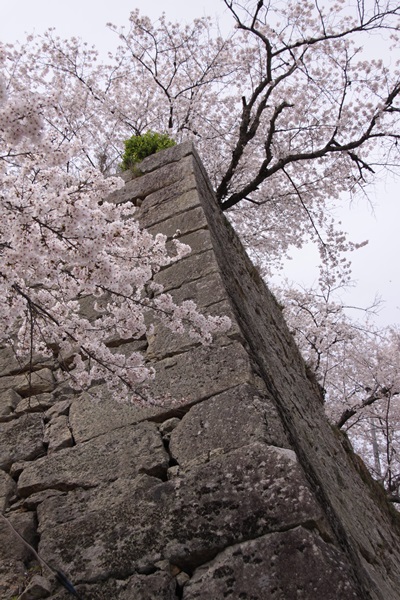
[286,111]
[356,367]
[60,243]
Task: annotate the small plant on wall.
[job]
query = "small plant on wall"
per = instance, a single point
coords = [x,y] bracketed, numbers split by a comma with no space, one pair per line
[140,146]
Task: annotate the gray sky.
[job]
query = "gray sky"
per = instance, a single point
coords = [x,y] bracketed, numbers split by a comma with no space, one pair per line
[374,267]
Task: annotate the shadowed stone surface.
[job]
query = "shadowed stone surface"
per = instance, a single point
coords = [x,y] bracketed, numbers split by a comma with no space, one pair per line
[114,530]
[89,418]
[27,384]
[240,413]
[188,377]
[7,490]
[280,566]
[8,402]
[14,555]
[120,453]
[21,439]
[160,586]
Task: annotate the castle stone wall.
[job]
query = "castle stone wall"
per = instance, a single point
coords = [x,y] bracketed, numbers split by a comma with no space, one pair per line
[235,487]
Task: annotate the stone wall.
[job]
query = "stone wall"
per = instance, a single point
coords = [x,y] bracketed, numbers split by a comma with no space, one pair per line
[237,487]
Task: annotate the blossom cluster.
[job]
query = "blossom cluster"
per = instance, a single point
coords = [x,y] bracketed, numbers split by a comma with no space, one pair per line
[62,245]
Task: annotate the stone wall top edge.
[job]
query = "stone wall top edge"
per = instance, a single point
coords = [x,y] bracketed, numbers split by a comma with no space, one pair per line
[160,159]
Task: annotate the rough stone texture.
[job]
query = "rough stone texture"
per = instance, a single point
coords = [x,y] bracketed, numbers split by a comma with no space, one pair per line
[14,555]
[37,403]
[7,490]
[29,384]
[8,401]
[240,413]
[159,585]
[121,453]
[58,434]
[89,418]
[279,566]
[188,377]
[232,485]
[125,526]
[21,439]
[38,587]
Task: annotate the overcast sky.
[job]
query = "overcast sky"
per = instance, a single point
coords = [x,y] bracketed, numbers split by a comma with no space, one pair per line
[375,267]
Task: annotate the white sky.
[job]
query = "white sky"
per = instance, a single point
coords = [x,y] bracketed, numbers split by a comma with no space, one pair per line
[375,267]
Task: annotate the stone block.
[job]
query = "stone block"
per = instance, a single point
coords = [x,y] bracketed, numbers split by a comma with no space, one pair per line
[162,205]
[187,269]
[21,439]
[7,490]
[187,378]
[121,453]
[37,403]
[153,586]
[29,384]
[89,418]
[163,342]
[58,434]
[8,401]
[222,423]
[12,578]
[11,364]
[183,223]
[165,157]
[199,241]
[280,566]
[204,291]
[11,547]
[39,587]
[141,187]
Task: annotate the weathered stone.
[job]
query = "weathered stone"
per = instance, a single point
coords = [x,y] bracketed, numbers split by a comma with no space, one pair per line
[37,403]
[32,502]
[184,223]
[7,490]
[8,402]
[187,269]
[227,421]
[280,566]
[168,426]
[332,468]
[11,364]
[154,586]
[123,520]
[182,578]
[39,587]
[199,241]
[206,291]
[163,342]
[87,303]
[121,453]
[58,408]
[168,156]
[110,531]
[187,378]
[89,418]
[58,434]
[21,439]
[12,578]
[8,361]
[173,200]
[11,547]
[29,384]
[142,186]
